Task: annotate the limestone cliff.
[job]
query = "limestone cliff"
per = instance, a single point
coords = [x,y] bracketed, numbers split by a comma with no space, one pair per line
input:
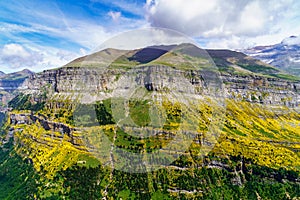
[252,88]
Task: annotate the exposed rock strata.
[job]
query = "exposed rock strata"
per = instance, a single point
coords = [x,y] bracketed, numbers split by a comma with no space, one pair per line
[252,88]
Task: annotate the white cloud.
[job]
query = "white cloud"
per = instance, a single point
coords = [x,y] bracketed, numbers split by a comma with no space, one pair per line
[6,27]
[14,50]
[253,19]
[87,34]
[127,6]
[144,37]
[16,57]
[114,15]
[221,21]
[232,42]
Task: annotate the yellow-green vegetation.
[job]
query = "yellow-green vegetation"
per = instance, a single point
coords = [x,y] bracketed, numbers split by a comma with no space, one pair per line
[258,144]
[268,135]
[139,112]
[50,151]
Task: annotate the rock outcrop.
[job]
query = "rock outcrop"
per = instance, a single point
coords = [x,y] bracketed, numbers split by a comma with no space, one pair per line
[252,88]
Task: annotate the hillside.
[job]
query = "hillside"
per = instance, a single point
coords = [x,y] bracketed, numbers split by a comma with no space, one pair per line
[161,122]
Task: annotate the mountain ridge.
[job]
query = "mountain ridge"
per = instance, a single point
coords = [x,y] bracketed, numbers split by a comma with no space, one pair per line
[130,57]
[284,55]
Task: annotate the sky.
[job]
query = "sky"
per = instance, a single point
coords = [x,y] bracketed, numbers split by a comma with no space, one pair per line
[44,34]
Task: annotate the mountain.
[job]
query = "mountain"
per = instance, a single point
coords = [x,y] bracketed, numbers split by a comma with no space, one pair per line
[20,75]
[2,73]
[227,61]
[9,83]
[160,122]
[284,56]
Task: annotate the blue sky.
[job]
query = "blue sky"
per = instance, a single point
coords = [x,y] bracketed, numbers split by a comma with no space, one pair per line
[47,34]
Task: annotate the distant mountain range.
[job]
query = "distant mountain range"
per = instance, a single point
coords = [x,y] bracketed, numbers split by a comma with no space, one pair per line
[12,82]
[284,56]
[16,75]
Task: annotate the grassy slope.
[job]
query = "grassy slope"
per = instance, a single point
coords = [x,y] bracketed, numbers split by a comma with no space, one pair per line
[184,56]
[238,63]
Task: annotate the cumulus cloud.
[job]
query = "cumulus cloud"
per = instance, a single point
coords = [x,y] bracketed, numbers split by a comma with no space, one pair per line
[232,42]
[16,56]
[220,19]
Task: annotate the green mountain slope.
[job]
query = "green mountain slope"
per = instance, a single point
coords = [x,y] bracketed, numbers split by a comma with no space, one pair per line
[238,63]
[172,55]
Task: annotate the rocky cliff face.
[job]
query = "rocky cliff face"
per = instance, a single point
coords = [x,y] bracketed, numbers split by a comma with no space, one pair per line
[70,79]
[62,129]
[252,88]
[241,77]
[263,90]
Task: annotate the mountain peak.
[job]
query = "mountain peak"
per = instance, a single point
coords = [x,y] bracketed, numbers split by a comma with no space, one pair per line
[2,73]
[140,55]
[27,71]
[292,40]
